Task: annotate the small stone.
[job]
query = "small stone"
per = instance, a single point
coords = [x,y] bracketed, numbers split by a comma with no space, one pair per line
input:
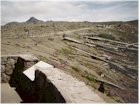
[11,61]
[102,75]
[2,68]
[9,69]
[5,78]
[3,60]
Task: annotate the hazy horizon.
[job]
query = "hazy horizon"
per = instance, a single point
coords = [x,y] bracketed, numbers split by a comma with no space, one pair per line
[68,21]
[92,11]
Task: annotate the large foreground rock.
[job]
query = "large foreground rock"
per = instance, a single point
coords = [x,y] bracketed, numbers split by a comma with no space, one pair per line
[65,85]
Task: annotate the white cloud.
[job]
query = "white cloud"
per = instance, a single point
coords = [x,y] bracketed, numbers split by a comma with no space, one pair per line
[69,11]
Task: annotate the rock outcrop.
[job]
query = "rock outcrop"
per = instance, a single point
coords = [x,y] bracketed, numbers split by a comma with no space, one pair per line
[33,20]
[9,62]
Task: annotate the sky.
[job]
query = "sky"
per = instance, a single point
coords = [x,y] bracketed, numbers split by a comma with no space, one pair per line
[69,10]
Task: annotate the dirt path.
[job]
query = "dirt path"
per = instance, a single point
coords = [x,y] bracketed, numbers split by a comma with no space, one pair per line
[62,32]
[8,94]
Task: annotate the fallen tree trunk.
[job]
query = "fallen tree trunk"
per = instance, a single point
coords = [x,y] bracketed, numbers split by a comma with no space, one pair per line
[72,40]
[102,48]
[127,49]
[126,45]
[112,52]
[108,40]
[110,83]
[111,64]
[124,70]
[93,56]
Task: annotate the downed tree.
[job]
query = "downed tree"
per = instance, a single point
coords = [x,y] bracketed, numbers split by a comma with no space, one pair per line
[93,56]
[110,83]
[103,45]
[110,51]
[111,64]
[72,40]
[123,70]
[123,46]
[107,49]
[107,40]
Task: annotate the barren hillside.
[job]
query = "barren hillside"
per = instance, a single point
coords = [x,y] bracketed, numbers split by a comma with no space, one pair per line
[93,52]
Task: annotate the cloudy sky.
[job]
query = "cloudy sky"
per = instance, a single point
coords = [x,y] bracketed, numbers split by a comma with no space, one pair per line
[69,10]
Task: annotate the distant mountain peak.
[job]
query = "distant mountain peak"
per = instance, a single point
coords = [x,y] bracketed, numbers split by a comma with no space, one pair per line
[33,20]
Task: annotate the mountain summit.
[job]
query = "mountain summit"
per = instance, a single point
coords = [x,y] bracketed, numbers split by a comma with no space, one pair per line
[33,20]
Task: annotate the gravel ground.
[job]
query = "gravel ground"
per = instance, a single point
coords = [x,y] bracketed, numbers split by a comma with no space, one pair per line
[8,94]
